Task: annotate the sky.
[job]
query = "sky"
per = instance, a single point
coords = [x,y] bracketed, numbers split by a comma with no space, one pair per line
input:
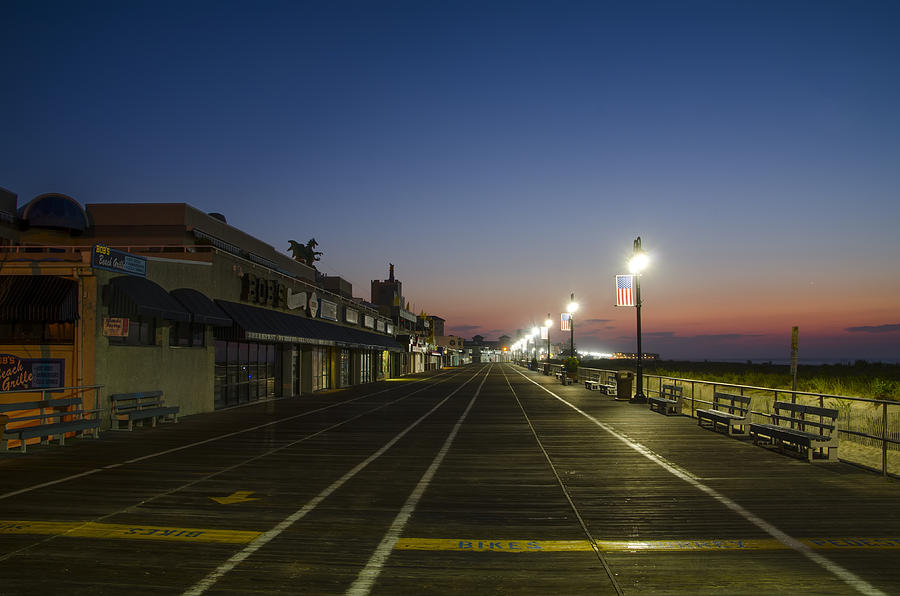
[503,155]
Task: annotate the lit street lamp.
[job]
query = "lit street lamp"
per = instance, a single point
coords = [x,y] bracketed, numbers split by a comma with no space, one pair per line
[637,263]
[573,306]
[548,323]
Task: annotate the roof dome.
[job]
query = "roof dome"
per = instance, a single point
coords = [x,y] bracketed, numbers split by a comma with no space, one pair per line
[54,211]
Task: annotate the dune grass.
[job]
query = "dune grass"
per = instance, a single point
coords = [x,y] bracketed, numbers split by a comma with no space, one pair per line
[873,380]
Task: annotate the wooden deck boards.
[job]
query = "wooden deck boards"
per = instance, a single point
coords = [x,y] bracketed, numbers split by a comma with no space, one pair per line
[674,509]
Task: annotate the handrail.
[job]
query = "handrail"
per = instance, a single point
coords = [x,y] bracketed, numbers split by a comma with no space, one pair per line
[887,443]
[49,389]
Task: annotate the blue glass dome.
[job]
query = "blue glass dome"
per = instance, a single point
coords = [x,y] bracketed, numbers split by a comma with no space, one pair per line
[54,211]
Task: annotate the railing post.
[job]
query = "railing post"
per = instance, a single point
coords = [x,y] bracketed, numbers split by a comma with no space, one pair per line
[884,439]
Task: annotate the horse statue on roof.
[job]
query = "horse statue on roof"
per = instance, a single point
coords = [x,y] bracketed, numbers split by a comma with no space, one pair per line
[305,254]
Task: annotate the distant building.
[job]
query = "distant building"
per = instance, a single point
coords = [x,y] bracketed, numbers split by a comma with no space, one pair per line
[633,356]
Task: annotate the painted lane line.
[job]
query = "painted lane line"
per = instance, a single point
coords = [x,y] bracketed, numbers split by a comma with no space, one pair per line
[211,579]
[838,571]
[566,493]
[197,444]
[126,532]
[538,546]
[367,577]
[219,472]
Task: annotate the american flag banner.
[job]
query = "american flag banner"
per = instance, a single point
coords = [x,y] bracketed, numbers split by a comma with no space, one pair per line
[624,290]
[565,322]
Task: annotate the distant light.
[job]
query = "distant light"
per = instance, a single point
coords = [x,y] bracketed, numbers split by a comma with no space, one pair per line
[638,262]
[573,306]
[548,323]
[535,331]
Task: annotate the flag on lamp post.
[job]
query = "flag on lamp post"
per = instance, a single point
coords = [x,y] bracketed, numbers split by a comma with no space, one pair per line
[624,290]
[565,322]
[545,333]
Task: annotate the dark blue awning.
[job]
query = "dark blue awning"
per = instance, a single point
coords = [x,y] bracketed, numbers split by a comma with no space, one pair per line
[202,309]
[131,296]
[273,325]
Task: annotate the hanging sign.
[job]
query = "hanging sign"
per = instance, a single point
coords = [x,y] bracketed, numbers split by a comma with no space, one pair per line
[624,290]
[115,326]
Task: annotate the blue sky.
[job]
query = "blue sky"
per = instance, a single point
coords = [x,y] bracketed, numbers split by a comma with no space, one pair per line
[503,155]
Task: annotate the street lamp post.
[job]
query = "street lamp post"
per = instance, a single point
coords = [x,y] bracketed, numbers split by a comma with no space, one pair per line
[573,306]
[636,264]
[548,323]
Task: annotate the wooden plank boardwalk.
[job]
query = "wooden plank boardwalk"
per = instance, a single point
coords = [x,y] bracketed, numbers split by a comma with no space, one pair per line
[487,479]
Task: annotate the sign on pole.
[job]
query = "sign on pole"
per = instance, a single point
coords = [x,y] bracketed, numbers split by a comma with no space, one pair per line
[565,322]
[795,332]
[624,290]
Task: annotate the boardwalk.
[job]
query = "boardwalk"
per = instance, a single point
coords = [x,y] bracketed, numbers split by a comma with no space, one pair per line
[487,479]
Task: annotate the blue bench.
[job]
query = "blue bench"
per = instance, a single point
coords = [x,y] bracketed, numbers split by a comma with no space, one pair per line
[54,419]
[145,405]
[809,428]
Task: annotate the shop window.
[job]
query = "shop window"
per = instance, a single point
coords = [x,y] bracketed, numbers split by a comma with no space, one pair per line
[141,332]
[320,368]
[37,333]
[187,335]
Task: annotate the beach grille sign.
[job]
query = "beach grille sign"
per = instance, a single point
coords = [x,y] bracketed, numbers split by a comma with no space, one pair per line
[110,259]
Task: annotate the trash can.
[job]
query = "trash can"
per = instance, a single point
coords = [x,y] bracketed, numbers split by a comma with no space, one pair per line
[547,368]
[624,381]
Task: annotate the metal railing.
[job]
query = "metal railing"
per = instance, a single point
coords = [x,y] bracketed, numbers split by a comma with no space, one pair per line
[869,428]
[76,391]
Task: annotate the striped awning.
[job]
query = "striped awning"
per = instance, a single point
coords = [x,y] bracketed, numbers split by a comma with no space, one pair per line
[36,298]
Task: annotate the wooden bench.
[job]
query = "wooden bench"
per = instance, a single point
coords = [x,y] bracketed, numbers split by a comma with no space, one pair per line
[727,409]
[668,401]
[54,419]
[609,387]
[145,405]
[808,427]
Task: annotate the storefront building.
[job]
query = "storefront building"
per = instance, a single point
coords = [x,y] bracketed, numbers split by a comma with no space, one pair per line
[139,297]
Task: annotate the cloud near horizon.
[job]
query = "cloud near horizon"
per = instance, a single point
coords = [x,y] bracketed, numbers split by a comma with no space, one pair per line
[875,328]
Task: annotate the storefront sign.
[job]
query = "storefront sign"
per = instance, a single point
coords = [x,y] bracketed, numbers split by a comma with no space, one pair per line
[257,290]
[328,310]
[351,316]
[313,305]
[115,327]
[390,329]
[369,321]
[29,373]
[379,326]
[110,259]
[296,300]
